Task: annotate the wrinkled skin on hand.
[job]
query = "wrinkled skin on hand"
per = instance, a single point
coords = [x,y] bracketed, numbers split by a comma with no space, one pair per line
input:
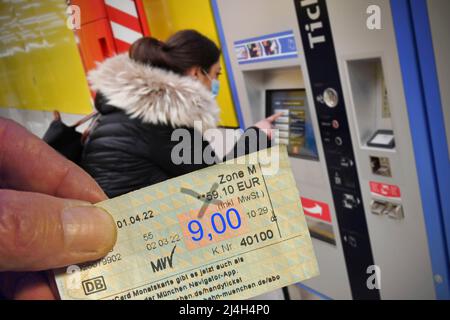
[46,217]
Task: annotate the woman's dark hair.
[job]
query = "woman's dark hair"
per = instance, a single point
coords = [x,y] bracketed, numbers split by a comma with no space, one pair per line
[182,51]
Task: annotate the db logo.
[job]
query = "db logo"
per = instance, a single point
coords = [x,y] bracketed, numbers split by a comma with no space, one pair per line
[94,285]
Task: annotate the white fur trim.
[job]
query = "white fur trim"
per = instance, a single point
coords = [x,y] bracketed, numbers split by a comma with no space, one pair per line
[153,94]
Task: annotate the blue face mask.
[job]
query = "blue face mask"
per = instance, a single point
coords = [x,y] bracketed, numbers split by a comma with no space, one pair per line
[215,85]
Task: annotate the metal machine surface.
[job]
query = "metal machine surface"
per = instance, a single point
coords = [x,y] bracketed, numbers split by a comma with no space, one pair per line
[338,76]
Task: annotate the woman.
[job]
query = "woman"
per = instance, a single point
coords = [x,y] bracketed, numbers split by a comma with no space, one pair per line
[142,98]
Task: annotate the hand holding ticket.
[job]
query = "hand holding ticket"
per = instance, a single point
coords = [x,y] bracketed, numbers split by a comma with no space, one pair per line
[225,232]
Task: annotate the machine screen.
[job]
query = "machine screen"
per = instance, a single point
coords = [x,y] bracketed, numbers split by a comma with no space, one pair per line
[294,126]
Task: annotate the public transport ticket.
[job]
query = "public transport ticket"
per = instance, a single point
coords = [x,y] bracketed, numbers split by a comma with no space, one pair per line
[234,230]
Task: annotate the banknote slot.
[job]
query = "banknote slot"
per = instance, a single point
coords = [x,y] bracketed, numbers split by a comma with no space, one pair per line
[390,209]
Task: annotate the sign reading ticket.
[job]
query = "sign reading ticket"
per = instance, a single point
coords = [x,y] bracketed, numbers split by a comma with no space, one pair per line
[230,231]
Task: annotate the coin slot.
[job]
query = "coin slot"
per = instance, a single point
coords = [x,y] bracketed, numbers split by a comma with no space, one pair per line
[380,166]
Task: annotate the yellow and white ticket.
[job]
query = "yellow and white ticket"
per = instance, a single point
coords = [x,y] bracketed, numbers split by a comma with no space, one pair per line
[230,231]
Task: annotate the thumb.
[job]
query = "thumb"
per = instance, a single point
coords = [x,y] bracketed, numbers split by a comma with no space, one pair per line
[39,232]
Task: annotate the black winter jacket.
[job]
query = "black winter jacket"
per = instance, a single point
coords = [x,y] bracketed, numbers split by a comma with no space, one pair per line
[131,144]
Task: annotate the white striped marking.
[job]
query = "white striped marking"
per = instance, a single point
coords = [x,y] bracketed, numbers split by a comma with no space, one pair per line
[125,34]
[124,6]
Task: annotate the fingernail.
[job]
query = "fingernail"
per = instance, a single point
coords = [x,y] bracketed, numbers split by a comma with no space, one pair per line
[88,230]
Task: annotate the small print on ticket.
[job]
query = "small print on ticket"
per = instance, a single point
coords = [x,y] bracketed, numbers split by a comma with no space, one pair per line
[231,231]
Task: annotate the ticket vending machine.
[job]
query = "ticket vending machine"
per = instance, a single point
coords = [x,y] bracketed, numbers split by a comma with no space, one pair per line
[338,78]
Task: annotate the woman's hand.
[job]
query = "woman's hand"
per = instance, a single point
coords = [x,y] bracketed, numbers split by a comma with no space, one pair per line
[266,125]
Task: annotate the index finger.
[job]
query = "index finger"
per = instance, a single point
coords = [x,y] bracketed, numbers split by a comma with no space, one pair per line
[275,116]
[28,164]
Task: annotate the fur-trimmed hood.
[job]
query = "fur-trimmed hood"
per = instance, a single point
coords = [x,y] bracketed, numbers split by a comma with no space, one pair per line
[154,95]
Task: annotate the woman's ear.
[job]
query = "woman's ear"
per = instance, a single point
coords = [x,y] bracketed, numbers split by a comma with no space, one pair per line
[195,72]
[198,74]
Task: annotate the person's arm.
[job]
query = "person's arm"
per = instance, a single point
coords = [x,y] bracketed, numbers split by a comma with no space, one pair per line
[181,152]
[257,137]
[252,140]
[184,150]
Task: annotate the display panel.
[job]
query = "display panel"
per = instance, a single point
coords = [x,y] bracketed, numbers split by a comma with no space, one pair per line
[294,126]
